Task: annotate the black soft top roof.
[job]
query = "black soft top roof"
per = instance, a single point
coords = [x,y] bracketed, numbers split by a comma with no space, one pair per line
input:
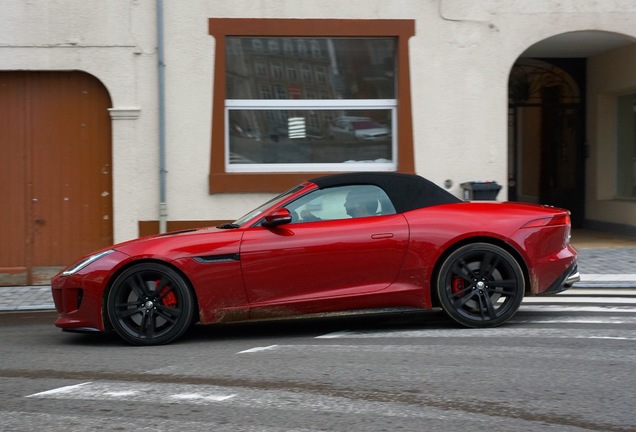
[406,191]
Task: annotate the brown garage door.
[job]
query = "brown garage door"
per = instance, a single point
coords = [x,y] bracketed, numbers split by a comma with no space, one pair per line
[55,172]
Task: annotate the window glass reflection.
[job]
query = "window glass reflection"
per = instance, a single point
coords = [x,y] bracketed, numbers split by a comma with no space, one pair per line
[314,136]
[339,68]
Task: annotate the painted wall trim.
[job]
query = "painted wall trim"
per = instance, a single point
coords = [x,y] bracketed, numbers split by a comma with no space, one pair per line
[130,113]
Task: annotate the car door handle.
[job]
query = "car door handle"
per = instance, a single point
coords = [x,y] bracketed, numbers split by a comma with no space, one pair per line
[381,236]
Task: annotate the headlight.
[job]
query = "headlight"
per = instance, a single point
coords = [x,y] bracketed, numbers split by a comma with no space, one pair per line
[86,261]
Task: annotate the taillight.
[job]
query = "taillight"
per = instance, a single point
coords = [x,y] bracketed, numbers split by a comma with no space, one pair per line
[560,219]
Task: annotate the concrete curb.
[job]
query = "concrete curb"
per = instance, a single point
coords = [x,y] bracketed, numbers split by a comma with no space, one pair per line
[25,308]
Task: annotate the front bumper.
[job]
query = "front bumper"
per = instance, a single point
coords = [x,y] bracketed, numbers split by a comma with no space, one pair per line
[79,309]
[79,297]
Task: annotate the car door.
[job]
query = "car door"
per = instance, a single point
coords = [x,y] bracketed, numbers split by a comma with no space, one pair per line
[324,252]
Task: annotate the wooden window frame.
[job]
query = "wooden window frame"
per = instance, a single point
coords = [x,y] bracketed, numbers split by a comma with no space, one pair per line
[220,181]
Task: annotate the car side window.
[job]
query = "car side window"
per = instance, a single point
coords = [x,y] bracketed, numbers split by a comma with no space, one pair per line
[343,202]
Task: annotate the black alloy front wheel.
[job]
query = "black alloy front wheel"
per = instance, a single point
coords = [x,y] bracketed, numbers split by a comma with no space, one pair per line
[150,304]
[480,285]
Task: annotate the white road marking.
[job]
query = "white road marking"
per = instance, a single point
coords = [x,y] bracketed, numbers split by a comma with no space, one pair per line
[591,277]
[605,292]
[60,390]
[256,349]
[123,393]
[575,308]
[260,399]
[613,338]
[570,299]
[200,397]
[582,320]
[504,332]
[139,392]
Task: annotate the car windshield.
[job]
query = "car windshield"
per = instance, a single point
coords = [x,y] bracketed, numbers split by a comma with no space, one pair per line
[239,222]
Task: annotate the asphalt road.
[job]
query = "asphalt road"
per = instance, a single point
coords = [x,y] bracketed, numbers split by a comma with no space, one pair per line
[563,366]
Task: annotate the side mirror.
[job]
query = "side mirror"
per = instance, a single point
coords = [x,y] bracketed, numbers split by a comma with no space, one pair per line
[277,217]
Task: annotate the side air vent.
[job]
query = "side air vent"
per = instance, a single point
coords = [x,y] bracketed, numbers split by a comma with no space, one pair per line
[210,259]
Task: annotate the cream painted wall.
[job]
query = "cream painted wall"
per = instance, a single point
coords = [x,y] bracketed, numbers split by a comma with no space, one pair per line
[460,56]
[610,75]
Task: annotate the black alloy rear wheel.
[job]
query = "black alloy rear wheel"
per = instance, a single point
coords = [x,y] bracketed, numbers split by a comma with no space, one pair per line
[150,304]
[480,285]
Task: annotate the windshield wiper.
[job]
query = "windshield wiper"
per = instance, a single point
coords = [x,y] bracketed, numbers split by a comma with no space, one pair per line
[229,226]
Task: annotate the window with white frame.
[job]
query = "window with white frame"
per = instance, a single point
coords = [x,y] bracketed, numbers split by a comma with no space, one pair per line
[351,126]
[626,146]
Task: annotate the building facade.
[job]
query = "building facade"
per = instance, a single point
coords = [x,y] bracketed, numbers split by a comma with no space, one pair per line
[127,117]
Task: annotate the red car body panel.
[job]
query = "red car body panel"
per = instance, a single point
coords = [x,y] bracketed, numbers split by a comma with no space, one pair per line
[323,259]
[381,261]
[545,250]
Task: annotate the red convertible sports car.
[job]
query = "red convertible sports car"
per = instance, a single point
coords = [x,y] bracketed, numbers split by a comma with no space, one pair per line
[335,243]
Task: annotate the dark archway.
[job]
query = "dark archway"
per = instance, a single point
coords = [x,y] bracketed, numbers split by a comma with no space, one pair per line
[546,111]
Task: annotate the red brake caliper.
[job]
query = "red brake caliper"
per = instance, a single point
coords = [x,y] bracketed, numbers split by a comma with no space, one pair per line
[167,296]
[458,284]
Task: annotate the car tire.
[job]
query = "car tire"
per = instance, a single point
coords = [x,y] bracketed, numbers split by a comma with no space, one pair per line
[150,304]
[480,285]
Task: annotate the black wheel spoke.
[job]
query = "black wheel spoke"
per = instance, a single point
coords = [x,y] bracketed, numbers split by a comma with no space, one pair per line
[127,305]
[138,286]
[148,325]
[488,265]
[169,314]
[507,283]
[461,269]
[460,302]
[487,301]
[129,312]
[163,282]
[504,287]
[462,293]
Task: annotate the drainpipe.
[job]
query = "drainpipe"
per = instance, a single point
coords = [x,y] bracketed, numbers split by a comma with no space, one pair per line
[163,205]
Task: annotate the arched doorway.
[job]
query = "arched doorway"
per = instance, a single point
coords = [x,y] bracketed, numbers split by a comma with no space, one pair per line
[546,138]
[55,172]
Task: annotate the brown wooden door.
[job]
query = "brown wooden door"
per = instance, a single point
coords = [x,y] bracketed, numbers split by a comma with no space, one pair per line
[55,172]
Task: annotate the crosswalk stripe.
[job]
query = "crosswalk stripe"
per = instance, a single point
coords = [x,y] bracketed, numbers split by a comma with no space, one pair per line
[621,292]
[259,349]
[561,308]
[595,300]
[506,332]
[141,392]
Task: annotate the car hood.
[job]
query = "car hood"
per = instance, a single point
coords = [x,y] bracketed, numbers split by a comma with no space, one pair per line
[185,243]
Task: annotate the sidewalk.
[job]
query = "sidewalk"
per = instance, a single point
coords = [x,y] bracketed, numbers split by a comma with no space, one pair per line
[604,262]
[26,298]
